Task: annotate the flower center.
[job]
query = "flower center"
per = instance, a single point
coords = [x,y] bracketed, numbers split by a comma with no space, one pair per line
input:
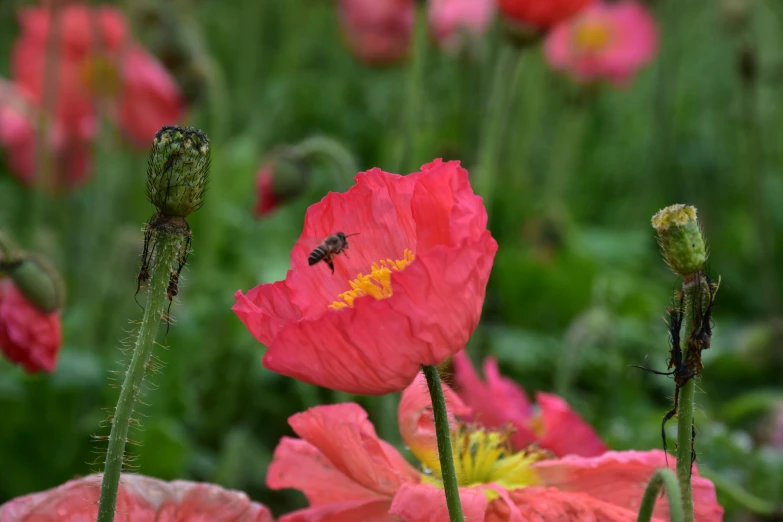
[592,36]
[484,457]
[377,283]
[99,76]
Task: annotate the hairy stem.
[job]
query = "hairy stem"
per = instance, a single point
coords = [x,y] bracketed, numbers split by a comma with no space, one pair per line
[694,290]
[662,478]
[169,246]
[448,473]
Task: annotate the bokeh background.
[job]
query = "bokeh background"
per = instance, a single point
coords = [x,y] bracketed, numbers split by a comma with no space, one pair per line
[571,175]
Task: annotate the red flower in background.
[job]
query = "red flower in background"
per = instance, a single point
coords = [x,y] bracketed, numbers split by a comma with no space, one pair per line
[348,474]
[500,401]
[541,14]
[96,61]
[140,499]
[27,336]
[424,243]
[378,31]
[266,201]
[70,154]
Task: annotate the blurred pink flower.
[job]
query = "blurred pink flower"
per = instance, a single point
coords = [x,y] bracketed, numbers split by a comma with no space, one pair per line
[140,499]
[266,201]
[499,401]
[348,474]
[378,31]
[605,41]
[541,14]
[28,336]
[97,62]
[70,153]
[451,20]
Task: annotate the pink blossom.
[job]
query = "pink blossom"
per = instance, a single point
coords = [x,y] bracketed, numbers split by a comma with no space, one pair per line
[450,20]
[604,42]
[499,401]
[378,31]
[140,499]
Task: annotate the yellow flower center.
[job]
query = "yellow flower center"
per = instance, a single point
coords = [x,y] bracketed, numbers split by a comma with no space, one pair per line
[377,283]
[484,457]
[100,76]
[592,36]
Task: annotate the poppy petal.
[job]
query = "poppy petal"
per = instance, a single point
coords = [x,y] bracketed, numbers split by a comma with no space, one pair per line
[565,432]
[357,511]
[425,502]
[265,310]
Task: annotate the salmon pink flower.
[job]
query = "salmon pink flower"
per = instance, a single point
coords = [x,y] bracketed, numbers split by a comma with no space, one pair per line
[348,474]
[424,246]
[499,402]
[541,14]
[378,31]
[27,336]
[70,153]
[97,61]
[450,20]
[605,42]
[140,499]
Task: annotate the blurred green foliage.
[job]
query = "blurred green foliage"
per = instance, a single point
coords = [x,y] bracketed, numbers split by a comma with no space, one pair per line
[578,288]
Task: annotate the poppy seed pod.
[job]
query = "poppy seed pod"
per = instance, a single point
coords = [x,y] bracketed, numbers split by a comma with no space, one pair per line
[38,281]
[178,170]
[680,238]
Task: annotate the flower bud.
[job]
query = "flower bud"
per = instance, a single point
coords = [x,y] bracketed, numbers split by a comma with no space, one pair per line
[680,238]
[178,170]
[38,282]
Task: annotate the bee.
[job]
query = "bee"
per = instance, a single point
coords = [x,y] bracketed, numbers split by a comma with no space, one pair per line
[333,245]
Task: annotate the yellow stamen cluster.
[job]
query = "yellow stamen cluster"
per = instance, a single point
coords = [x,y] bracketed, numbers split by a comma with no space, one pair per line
[484,457]
[591,36]
[377,283]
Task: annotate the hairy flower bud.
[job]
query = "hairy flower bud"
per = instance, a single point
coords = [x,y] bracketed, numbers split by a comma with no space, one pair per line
[680,238]
[38,282]
[178,170]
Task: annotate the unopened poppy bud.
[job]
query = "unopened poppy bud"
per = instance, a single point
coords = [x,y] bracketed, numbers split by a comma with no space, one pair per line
[37,281]
[680,238]
[178,170]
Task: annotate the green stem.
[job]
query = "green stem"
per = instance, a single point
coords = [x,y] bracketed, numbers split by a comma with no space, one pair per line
[441,415]
[169,247]
[662,478]
[502,92]
[694,290]
[408,157]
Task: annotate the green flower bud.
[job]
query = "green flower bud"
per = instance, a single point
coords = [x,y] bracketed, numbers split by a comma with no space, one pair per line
[38,281]
[178,170]
[680,238]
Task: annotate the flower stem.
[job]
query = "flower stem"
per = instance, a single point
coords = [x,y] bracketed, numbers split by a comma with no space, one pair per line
[341,158]
[662,478]
[448,473]
[169,246]
[694,290]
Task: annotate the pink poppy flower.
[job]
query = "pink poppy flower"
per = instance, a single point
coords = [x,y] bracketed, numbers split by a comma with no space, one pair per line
[423,239]
[70,154]
[140,499]
[604,42]
[451,20]
[27,336]
[97,62]
[378,31]
[348,474]
[499,401]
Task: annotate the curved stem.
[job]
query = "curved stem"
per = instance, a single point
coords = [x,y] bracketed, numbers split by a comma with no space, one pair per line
[662,478]
[341,158]
[441,415]
[740,495]
[169,246]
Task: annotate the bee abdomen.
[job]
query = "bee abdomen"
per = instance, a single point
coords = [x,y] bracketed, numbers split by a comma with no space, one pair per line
[316,255]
